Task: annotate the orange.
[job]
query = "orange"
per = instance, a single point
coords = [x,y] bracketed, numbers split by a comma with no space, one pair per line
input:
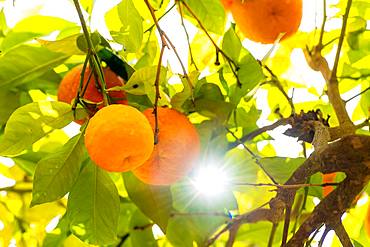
[264,20]
[176,152]
[119,138]
[69,85]
[328,178]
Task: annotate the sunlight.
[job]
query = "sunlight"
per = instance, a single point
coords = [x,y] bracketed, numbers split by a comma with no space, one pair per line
[2,226]
[6,182]
[8,162]
[157,232]
[210,181]
[52,224]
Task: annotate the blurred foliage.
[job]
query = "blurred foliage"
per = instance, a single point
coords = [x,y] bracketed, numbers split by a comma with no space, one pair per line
[51,194]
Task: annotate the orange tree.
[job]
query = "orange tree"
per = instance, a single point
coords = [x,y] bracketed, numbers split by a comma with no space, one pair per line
[247,138]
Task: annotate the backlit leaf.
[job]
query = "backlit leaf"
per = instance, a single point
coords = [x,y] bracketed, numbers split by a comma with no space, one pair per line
[26,63]
[31,122]
[281,168]
[141,230]
[130,33]
[154,201]
[231,44]
[93,206]
[56,173]
[210,13]
[33,27]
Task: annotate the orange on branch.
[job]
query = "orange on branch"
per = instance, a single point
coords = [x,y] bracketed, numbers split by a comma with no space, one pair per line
[328,178]
[265,20]
[119,138]
[69,85]
[176,152]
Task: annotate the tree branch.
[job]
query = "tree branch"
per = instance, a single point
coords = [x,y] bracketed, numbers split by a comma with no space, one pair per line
[318,63]
[349,155]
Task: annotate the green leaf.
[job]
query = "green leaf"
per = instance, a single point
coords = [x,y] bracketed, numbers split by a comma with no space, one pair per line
[3,24]
[26,63]
[148,53]
[179,98]
[29,160]
[87,5]
[56,173]
[141,230]
[82,43]
[56,237]
[231,44]
[357,244]
[142,81]
[31,122]
[245,119]
[257,233]
[240,167]
[130,32]
[250,75]
[210,102]
[127,209]
[183,230]
[33,27]
[281,168]
[93,206]
[67,45]
[210,13]
[213,137]
[154,201]
[9,101]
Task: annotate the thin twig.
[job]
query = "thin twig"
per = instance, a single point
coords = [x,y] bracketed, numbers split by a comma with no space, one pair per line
[93,58]
[233,65]
[286,186]
[354,77]
[256,158]
[323,25]
[309,241]
[187,38]
[218,214]
[288,211]
[159,18]
[272,234]
[323,236]
[276,82]
[363,124]
[340,42]
[353,97]
[257,132]
[158,73]
[237,220]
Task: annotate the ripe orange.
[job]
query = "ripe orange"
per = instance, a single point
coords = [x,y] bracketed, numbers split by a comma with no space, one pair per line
[328,178]
[119,138]
[176,152]
[264,20]
[69,85]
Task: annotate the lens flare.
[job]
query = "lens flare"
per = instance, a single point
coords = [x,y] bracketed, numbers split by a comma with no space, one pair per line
[210,181]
